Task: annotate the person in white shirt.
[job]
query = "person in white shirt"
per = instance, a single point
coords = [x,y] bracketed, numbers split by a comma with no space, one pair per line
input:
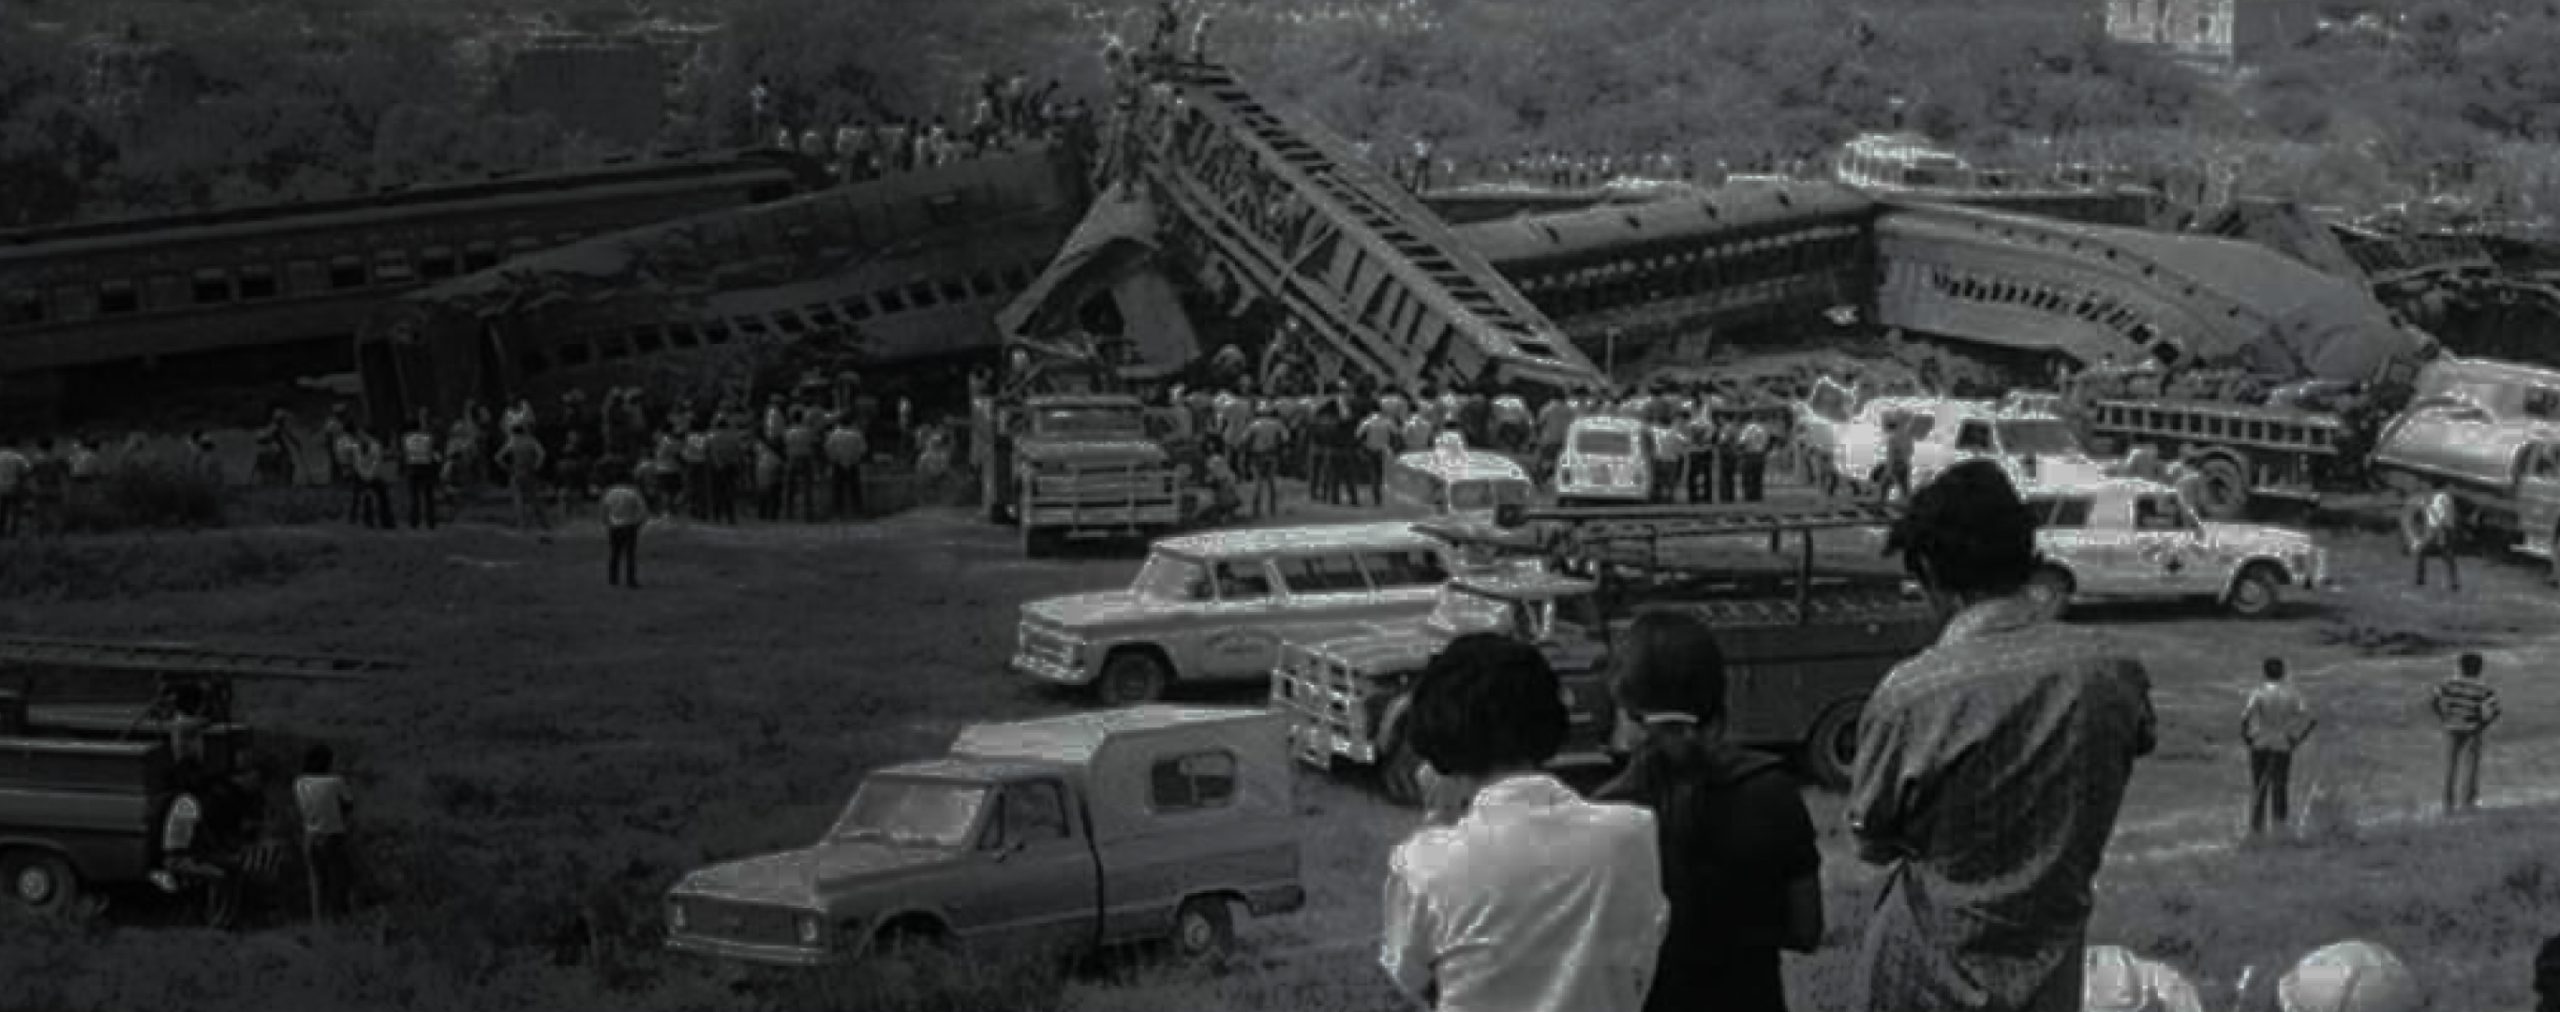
[322,799]
[14,469]
[419,457]
[624,510]
[1376,438]
[1519,896]
[2433,538]
[2273,724]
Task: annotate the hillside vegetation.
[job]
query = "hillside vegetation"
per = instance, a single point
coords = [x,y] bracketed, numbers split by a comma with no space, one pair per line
[304,100]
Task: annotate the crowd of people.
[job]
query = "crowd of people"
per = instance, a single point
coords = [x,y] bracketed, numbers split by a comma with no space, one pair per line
[1991,769]
[1005,114]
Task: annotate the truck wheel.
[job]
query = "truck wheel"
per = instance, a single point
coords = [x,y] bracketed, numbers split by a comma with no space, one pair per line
[1831,746]
[908,937]
[2222,492]
[2254,594]
[1131,677]
[1400,773]
[2050,588]
[1204,930]
[40,882]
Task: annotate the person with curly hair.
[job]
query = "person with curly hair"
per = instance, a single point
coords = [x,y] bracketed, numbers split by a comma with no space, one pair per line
[1518,895]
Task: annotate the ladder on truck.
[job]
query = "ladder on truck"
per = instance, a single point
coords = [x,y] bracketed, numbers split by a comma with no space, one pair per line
[1665,539]
[185,658]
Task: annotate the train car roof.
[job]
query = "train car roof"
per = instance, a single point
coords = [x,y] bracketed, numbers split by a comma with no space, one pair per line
[1734,206]
[60,239]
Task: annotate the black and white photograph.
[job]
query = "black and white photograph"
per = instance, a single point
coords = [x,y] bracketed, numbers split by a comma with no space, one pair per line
[1279,505]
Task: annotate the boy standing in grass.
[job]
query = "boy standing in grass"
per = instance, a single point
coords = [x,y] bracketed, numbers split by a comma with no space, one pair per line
[2273,724]
[2466,706]
[625,509]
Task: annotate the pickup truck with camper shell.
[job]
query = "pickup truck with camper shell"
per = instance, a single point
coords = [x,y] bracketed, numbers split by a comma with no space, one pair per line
[1065,834]
[1606,459]
[2030,446]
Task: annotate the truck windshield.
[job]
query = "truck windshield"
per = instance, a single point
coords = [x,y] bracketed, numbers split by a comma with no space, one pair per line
[2038,437]
[1172,578]
[1485,495]
[1604,443]
[910,813]
[1117,423]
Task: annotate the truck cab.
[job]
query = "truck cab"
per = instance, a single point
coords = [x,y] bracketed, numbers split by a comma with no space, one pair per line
[2129,538]
[2029,445]
[1062,834]
[1066,464]
[1606,458]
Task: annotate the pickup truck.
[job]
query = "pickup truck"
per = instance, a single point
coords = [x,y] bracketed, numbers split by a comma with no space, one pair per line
[1063,834]
[2030,446]
[81,810]
[1067,464]
[2133,538]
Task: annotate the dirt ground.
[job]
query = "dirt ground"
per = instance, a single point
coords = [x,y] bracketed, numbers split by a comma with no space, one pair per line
[561,750]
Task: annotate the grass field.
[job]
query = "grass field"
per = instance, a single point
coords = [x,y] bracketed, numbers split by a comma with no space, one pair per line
[562,750]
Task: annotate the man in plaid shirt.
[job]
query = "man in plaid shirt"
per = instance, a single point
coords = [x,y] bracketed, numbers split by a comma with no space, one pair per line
[2466,706]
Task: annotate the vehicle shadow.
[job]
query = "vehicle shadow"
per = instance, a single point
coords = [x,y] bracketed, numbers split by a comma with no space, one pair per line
[2165,612]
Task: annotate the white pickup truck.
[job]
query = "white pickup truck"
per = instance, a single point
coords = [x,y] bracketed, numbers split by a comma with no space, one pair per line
[2131,538]
[2031,446]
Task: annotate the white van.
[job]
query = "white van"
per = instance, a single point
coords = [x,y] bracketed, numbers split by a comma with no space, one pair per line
[1450,479]
[1605,460]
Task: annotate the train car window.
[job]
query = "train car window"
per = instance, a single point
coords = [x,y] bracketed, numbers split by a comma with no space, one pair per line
[613,346]
[532,363]
[391,267]
[856,308]
[167,291]
[750,326]
[954,290]
[822,316]
[22,309]
[716,332]
[436,263]
[573,352]
[891,303]
[682,335]
[74,303]
[118,297]
[257,281]
[920,294]
[649,340]
[1015,279]
[982,284]
[790,322]
[303,276]
[346,272]
[213,286]
[479,256]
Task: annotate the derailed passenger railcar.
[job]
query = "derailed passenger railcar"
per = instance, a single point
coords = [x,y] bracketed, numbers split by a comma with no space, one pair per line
[898,270]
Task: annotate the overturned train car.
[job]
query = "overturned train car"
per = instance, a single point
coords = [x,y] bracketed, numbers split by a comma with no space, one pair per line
[891,272]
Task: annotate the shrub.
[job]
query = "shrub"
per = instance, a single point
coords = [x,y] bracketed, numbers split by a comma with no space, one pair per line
[151,496]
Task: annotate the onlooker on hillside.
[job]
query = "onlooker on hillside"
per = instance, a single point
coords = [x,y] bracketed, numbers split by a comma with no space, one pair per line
[625,510]
[1739,864]
[845,450]
[2465,705]
[14,468]
[332,433]
[2273,724]
[1520,895]
[326,805]
[375,467]
[1990,770]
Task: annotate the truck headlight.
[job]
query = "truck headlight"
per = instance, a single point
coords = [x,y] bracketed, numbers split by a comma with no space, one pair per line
[810,929]
[675,915]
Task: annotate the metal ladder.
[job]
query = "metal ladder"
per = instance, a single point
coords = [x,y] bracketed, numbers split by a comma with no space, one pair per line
[187,658]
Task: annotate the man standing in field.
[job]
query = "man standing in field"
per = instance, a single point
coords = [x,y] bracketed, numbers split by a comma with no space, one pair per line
[2434,536]
[419,459]
[522,457]
[1990,770]
[2273,724]
[14,468]
[2466,706]
[625,510]
[325,804]
[845,450]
